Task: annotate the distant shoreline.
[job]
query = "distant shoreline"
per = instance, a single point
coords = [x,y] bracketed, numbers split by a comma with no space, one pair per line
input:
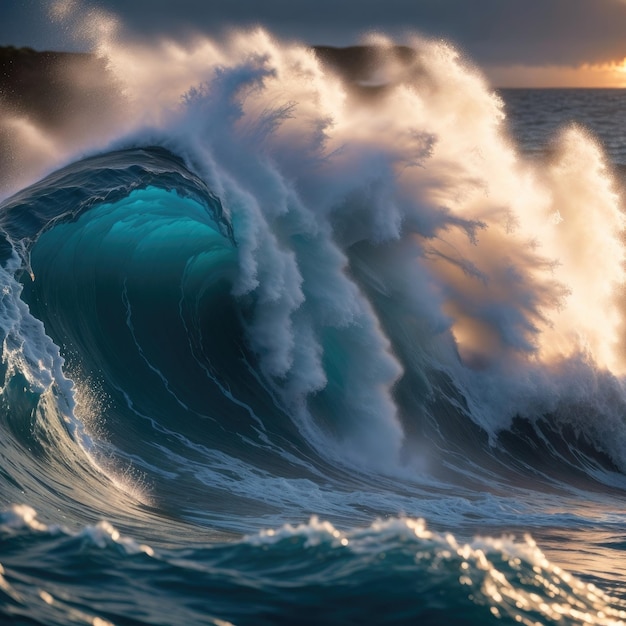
[35,83]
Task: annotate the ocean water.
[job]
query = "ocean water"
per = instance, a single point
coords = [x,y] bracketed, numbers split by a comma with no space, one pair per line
[279,348]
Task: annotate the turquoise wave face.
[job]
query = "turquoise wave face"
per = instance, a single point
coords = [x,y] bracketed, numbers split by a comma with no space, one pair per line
[137,295]
[128,284]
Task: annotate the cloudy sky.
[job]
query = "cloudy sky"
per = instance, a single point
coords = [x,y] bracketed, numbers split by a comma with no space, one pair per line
[517,42]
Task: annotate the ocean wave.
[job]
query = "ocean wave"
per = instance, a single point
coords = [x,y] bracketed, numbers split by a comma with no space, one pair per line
[274,289]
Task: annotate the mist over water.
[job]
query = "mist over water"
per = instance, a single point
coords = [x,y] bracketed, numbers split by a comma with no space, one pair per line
[266,282]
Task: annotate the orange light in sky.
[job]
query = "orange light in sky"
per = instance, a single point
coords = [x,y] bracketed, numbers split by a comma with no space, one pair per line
[621,66]
[611,74]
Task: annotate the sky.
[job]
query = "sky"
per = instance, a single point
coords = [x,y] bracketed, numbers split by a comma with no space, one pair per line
[516,42]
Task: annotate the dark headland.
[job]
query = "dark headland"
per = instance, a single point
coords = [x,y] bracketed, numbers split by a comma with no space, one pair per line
[66,93]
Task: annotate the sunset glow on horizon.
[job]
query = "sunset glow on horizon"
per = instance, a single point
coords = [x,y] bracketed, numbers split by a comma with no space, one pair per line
[610,75]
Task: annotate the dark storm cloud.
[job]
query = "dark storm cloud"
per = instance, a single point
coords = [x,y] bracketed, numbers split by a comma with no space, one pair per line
[564,32]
